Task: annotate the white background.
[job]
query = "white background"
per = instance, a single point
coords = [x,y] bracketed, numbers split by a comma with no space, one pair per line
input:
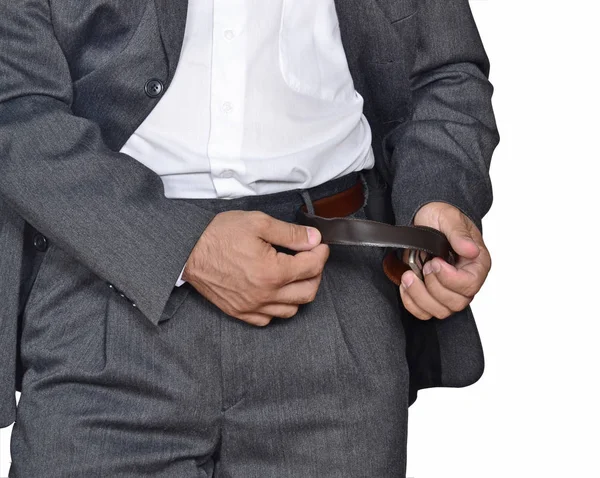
[535,411]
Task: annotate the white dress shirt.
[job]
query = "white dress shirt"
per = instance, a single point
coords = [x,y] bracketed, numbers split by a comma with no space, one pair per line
[262,101]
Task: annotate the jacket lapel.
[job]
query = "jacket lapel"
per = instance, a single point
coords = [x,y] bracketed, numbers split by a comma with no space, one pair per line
[172,15]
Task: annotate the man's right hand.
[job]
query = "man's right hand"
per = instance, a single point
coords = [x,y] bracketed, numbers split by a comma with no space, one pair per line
[235,266]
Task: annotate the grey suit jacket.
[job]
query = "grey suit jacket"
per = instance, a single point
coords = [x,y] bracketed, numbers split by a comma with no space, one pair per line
[72,91]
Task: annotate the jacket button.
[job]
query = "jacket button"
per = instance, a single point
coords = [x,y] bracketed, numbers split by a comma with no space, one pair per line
[154,88]
[40,242]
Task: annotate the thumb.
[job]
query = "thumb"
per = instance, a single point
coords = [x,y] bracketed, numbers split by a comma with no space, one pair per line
[462,241]
[292,236]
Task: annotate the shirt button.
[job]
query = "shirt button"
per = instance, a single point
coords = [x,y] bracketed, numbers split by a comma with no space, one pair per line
[227,173]
[229,34]
[227,107]
[154,88]
[40,242]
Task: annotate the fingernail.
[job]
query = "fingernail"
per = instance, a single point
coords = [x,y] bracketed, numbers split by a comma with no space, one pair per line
[407,280]
[436,266]
[427,268]
[313,235]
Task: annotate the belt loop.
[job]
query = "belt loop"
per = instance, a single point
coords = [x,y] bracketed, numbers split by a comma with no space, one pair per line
[308,202]
[363,179]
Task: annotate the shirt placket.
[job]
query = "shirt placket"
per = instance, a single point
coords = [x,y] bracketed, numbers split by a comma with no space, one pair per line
[228,85]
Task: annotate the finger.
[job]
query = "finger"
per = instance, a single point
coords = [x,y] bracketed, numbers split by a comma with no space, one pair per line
[299,292]
[417,291]
[480,266]
[304,265]
[460,234]
[282,311]
[410,305]
[281,233]
[465,278]
[254,318]
[452,300]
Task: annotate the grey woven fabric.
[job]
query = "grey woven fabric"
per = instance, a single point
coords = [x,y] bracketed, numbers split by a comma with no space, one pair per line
[72,79]
[107,394]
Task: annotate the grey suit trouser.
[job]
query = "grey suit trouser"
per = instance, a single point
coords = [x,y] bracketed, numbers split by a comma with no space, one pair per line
[107,394]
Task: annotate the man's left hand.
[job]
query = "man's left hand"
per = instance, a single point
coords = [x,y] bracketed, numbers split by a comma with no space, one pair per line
[447,289]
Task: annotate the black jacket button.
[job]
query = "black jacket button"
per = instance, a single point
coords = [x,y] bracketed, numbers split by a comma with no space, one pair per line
[154,88]
[40,242]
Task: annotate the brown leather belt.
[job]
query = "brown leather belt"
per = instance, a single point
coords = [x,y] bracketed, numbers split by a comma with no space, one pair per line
[410,246]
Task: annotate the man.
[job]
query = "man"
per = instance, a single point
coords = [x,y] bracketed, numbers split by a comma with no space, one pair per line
[171,319]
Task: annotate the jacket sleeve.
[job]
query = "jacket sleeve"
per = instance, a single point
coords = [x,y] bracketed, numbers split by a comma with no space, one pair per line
[103,207]
[443,152]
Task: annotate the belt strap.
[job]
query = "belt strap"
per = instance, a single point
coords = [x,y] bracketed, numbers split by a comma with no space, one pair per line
[410,246]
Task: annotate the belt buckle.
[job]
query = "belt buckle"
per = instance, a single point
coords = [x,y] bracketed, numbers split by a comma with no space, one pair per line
[416,259]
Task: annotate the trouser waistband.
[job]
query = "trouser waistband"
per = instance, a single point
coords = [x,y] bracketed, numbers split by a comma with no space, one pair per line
[283,205]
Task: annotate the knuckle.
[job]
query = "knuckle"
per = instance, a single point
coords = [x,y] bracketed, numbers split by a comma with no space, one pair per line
[273,279]
[260,321]
[259,215]
[267,277]
[254,276]
[444,315]
[314,270]
[262,296]
[458,305]
[251,306]
[289,312]
[308,297]
[244,305]
[471,289]
[261,220]
[311,294]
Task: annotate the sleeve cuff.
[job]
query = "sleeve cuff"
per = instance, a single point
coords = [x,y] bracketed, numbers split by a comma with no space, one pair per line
[180,281]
